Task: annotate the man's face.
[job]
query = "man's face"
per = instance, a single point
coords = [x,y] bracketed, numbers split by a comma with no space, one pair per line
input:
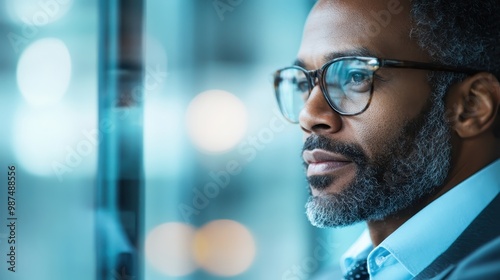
[371,165]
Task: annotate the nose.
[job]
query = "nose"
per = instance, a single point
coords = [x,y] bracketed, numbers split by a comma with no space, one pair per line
[317,116]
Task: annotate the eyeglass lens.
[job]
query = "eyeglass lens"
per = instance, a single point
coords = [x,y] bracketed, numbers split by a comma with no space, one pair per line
[347,87]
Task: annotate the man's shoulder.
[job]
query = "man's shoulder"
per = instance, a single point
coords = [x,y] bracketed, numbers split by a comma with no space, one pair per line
[484,263]
[473,251]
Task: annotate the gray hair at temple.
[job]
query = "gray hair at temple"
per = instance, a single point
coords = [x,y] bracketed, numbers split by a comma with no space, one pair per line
[460,33]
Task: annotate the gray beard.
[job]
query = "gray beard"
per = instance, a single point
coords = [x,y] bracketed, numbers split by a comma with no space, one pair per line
[411,167]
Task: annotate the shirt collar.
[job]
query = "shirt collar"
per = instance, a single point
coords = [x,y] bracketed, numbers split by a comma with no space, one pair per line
[358,251]
[415,244]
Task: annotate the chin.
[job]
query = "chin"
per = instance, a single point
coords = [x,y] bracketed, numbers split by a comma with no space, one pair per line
[327,185]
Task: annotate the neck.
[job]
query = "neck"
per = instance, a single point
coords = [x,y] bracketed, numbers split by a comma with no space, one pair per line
[380,230]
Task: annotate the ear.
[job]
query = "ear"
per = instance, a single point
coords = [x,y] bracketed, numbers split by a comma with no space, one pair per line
[475,103]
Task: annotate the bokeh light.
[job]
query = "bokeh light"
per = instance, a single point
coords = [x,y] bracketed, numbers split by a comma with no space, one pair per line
[42,137]
[37,12]
[224,248]
[44,72]
[168,249]
[216,121]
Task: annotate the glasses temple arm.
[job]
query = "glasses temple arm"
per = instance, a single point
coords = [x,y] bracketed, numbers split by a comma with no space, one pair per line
[425,66]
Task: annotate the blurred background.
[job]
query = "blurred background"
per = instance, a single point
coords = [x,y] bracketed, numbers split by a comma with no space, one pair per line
[224,183]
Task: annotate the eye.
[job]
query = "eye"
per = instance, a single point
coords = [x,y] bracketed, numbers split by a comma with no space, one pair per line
[358,81]
[357,77]
[303,85]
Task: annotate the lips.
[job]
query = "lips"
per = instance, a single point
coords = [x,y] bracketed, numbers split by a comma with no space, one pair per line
[321,162]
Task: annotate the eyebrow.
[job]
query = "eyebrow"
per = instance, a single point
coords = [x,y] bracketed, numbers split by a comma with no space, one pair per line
[333,55]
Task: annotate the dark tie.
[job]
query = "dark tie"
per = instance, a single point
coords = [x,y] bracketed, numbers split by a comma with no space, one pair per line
[358,271]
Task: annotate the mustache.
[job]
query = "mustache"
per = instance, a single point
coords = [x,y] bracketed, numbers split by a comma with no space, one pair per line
[351,151]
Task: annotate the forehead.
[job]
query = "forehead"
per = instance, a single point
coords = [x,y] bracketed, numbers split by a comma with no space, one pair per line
[378,27]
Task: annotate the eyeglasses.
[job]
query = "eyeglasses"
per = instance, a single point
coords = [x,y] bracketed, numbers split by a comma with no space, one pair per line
[346,83]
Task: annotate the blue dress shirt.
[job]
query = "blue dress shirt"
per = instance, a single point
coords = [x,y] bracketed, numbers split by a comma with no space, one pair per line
[413,246]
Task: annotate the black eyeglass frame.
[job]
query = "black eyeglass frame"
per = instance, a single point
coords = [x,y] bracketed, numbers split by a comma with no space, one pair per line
[316,76]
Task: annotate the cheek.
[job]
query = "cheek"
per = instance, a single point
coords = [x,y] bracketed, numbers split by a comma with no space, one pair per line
[375,130]
[391,108]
